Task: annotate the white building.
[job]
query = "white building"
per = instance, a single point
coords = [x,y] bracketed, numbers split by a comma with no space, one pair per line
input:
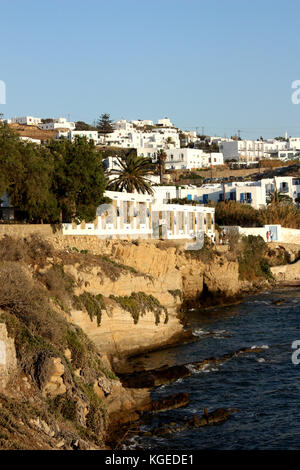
[124,125]
[255,193]
[251,150]
[165,122]
[59,123]
[142,122]
[288,155]
[186,158]
[90,135]
[135,134]
[294,143]
[132,215]
[126,137]
[25,120]
[29,139]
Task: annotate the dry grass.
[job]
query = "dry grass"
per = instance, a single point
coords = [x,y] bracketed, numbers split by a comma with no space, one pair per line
[32,249]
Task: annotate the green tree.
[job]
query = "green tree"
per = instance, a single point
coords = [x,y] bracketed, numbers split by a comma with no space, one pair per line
[132,174]
[278,196]
[30,184]
[79,181]
[9,141]
[104,125]
[83,126]
[26,176]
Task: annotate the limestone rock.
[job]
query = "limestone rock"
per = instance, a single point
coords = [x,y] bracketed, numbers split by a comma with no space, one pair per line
[51,380]
[44,427]
[8,359]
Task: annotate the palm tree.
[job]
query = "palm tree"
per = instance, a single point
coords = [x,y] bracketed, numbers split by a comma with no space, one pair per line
[277,196]
[132,174]
[161,163]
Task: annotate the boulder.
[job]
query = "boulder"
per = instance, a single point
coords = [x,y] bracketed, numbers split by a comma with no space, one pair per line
[50,377]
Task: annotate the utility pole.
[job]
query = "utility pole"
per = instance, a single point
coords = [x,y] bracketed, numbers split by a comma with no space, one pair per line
[202,130]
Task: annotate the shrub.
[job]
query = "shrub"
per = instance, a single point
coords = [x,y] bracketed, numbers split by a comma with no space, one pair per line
[138,303]
[93,305]
[235,213]
[30,249]
[23,297]
[59,284]
[253,263]
[205,254]
[233,238]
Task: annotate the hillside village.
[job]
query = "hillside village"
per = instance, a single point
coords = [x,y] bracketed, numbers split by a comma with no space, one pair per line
[183,197]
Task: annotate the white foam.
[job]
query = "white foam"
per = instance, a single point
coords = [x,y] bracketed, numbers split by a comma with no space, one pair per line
[200,332]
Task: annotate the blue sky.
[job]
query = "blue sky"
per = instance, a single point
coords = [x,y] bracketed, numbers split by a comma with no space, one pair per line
[221,64]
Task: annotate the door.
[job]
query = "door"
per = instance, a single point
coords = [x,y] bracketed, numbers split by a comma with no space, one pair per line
[273,229]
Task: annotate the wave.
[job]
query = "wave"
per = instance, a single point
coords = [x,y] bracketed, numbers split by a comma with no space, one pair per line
[200,332]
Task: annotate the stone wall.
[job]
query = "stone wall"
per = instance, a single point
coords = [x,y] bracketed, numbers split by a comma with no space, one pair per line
[290,235]
[8,360]
[23,230]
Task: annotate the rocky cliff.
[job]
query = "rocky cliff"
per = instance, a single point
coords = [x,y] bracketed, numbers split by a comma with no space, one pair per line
[161,271]
[72,310]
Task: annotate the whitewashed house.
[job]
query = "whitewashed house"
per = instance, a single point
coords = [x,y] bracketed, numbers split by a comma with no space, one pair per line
[251,150]
[70,135]
[59,123]
[25,120]
[30,139]
[186,158]
[133,215]
[256,193]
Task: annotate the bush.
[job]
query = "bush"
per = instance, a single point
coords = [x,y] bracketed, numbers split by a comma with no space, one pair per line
[206,253]
[59,284]
[138,303]
[23,297]
[235,213]
[30,249]
[253,263]
[233,238]
[93,305]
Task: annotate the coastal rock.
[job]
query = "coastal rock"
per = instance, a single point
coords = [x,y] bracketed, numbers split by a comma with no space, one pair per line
[215,417]
[177,400]
[50,377]
[166,374]
[287,272]
[8,360]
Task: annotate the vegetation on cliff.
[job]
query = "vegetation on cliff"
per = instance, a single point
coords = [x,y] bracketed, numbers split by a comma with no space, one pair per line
[42,334]
[138,303]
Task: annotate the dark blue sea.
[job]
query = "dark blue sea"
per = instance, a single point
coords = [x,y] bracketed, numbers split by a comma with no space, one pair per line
[264,386]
